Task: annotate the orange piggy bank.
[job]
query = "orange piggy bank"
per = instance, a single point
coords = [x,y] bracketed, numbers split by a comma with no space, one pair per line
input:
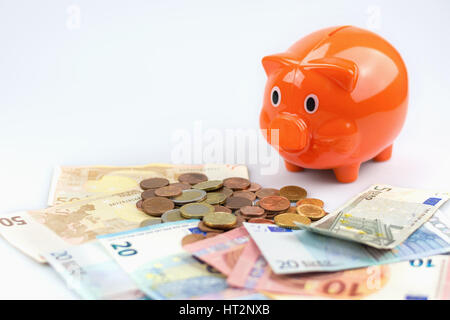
[336,98]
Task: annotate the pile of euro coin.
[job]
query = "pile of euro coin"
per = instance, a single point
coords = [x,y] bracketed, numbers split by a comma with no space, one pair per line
[223,205]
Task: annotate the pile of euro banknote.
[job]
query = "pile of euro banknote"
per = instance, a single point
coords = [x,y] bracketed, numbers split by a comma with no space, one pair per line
[385,243]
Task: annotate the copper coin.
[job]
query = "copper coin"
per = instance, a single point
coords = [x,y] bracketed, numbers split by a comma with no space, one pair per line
[293,193]
[265,192]
[192,178]
[202,226]
[237,202]
[168,191]
[191,238]
[252,211]
[157,206]
[211,235]
[227,191]
[239,216]
[147,194]
[261,220]
[274,203]
[245,194]
[271,214]
[236,183]
[316,202]
[183,186]
[139,204]
[254,187]
[154,183]
[239,220]
[219,208]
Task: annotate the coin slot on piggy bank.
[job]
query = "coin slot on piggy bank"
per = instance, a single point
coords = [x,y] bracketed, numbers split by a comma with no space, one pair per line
[337,98]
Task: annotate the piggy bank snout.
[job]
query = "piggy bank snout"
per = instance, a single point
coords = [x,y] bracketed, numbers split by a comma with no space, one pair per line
[288,132]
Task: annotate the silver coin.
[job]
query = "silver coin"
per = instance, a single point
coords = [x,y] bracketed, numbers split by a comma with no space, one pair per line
[149,222]
[172,215]
[190,195]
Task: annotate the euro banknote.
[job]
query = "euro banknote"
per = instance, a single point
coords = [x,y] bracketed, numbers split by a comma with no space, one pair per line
[381,217]
[59,227]
[416,279]
[154,258]
[222,251]
[93,274]
[304,251]
[75,183]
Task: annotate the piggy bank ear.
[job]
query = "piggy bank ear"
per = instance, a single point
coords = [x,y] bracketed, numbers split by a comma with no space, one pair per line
[276,62]
[343,72]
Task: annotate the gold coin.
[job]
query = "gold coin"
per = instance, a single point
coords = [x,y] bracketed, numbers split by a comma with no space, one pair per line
[171,216]
[203,227]
[311,211]
[190,195]
[220,220]
[209,185]
[196,210]
[215,198]
[316,202]
[293,193]
[292,210]
[286,220]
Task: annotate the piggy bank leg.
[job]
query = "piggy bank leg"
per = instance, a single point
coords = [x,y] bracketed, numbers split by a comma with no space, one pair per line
[384,155]
[347,173]
[292,167]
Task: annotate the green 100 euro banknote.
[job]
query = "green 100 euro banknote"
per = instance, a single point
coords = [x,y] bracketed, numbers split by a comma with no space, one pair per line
[75,183]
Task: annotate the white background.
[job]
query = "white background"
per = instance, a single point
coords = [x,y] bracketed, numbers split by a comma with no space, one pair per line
[112,84]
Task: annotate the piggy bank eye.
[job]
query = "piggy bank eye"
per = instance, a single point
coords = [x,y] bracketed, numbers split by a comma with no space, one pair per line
[311,103]
[275,96]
